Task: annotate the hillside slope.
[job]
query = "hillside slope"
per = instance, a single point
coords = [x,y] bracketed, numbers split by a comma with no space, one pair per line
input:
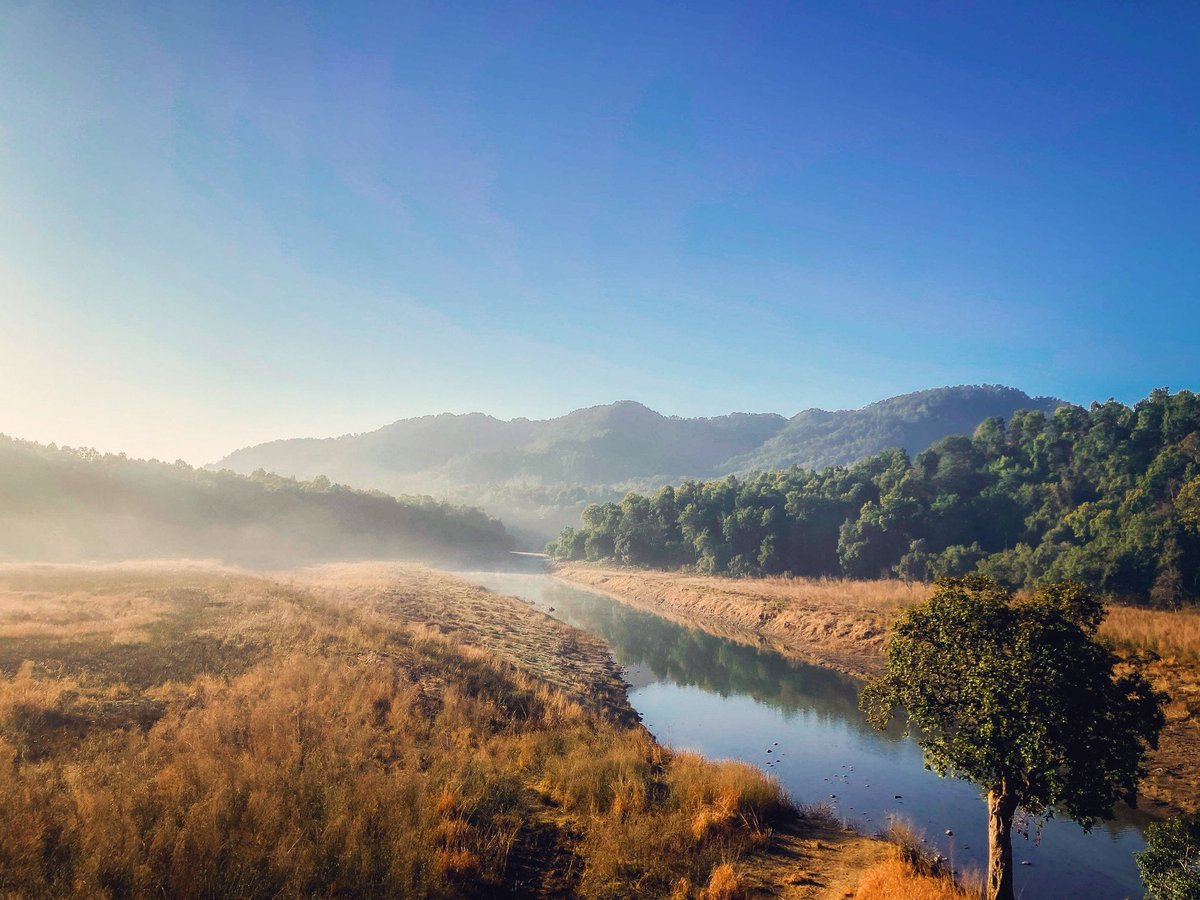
[538,474]
[1107,496]
[69,505]
[817,438]
[597,445]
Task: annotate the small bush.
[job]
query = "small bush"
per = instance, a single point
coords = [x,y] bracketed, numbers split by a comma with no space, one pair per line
[1170,864]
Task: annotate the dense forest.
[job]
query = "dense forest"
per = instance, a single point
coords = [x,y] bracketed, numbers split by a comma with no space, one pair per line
[65,504]
[1109,496]
[538,475]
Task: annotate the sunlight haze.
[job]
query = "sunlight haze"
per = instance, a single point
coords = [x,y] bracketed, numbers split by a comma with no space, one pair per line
[229,223]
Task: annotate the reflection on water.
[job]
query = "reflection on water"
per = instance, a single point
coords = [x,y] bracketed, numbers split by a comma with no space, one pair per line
[801,723]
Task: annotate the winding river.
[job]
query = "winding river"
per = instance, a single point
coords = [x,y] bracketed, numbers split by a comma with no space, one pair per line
[801,723]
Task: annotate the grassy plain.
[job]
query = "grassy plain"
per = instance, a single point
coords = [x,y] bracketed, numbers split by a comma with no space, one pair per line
[844,625]
[365,730]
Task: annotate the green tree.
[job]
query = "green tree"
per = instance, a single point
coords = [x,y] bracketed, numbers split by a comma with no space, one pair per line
[1170,864]
[914,565]
[1187,502]
[1019,697]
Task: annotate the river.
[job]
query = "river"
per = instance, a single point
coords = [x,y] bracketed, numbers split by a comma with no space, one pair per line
[801,723]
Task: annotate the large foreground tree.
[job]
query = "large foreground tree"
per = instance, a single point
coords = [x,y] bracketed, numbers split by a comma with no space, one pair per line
[1016,695]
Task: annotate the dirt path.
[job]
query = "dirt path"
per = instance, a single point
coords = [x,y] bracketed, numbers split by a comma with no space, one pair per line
[816,860]
[843,625]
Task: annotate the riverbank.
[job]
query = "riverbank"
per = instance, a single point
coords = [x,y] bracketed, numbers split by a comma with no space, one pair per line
[843,625]
[166,728]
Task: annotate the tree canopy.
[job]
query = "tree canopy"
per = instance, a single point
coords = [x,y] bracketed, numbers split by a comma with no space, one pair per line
[538,474]
[1170,864]
[1017,696]
[1107,496]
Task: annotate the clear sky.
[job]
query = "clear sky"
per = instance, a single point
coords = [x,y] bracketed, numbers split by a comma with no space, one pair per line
[222,223]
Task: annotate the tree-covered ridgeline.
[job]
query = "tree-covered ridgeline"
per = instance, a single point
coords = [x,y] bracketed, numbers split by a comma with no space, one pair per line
[64,504]
[1107,496]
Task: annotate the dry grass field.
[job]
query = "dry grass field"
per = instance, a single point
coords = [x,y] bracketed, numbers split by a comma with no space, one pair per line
[1168,643]
[186,731]
[844,625]
[1172,635]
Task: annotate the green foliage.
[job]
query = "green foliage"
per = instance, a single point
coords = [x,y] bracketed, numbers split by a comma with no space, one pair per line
[538,475]
[1019,698]
[817,438]
[1019,695]
[64,504]
[1170,864]
[1109,497]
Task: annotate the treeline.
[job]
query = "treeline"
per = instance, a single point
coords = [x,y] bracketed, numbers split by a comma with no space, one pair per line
[63,504]
[1109,496]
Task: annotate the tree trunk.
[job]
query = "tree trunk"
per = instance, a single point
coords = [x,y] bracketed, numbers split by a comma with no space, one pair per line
[1001,808]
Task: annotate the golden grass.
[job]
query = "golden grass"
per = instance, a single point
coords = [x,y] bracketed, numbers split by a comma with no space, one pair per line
[911,871]
[723,884]
[880,595]
[63,615]
[402,734]
[1172,635]
[896,879]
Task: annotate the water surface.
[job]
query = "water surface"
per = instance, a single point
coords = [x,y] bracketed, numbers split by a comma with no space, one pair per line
[801,723]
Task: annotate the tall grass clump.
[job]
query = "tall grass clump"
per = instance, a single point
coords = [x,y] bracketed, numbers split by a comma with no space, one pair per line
[897,879]
[913,873]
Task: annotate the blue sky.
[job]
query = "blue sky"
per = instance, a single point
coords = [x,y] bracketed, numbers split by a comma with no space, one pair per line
[226,223]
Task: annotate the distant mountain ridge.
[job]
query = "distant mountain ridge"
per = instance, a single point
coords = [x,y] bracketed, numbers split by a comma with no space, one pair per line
[536,474]
[599,444]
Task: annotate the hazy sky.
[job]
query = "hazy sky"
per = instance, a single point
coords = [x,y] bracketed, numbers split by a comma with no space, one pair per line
[226,223]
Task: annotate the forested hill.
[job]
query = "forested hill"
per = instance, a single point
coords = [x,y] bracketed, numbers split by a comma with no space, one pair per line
[540,474]
[817,438]
[68,505]
[1109,496]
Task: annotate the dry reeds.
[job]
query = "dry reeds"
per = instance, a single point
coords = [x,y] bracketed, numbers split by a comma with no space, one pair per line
[267,740]
[895,879]
[881,595]
[1172,635]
